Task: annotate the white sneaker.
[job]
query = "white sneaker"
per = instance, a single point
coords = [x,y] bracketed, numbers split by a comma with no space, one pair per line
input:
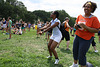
[96,51]
[74,65]
[56,61]
[49,57]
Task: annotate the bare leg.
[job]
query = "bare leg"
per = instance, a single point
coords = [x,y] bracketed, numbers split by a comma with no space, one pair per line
[10,36]
[37,32]
[3,30]
[29,29]
[52,48]
[68,44]
[75,61]
[6,30]
[94,47]
[59,43]
[49,45]
[47,37]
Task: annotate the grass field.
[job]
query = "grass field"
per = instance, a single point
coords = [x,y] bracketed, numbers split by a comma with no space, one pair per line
[29,51]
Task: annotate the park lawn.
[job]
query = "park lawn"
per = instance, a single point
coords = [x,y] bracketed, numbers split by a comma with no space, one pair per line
[27,50]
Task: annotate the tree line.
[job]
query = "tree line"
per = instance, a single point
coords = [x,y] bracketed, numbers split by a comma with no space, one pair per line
[17,10]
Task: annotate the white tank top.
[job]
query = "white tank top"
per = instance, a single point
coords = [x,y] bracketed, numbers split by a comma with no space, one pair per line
[39,25]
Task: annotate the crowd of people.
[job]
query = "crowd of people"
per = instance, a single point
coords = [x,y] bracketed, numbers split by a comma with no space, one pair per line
[6,25]
[84,31]
[9,27]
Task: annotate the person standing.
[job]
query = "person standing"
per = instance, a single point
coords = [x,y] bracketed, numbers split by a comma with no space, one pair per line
[86,25]
[29,26]
[9,26]
[65,32]
[56,35]
[4,24]
[39,25]
[23,26]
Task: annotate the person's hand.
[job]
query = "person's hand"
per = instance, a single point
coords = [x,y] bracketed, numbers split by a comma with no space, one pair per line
[82,25]
[42,28]
[40,32]
[76,27]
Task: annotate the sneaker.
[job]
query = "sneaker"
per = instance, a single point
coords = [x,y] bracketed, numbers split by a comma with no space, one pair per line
[49,57]
[74,65]
[3,33]
[67,49]
[56,61]
[96,51]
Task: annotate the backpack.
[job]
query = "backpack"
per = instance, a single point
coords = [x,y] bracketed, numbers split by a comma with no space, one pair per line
[62,28]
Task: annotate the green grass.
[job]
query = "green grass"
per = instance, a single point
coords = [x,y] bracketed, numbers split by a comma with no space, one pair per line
[29,51]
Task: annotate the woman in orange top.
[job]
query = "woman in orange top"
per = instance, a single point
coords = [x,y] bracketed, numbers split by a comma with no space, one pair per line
[86,25]
[65,32]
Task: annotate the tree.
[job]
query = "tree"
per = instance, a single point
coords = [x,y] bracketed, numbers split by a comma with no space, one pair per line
[17,10]
[42,15]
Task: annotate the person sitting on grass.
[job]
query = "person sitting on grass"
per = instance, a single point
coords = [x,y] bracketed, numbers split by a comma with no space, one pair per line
[20,31]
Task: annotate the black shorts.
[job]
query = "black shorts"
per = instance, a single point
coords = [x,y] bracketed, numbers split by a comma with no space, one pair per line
[65,35]
[93,43]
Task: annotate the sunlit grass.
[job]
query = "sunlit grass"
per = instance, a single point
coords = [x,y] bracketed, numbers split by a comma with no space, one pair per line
[27,50]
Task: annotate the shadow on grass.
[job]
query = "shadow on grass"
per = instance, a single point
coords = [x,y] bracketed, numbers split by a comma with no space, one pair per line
[5,39]
[94,53]
[65,51]
[37,37]
[51,63]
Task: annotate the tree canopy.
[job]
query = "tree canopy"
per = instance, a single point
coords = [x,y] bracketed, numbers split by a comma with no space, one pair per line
[17,10]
